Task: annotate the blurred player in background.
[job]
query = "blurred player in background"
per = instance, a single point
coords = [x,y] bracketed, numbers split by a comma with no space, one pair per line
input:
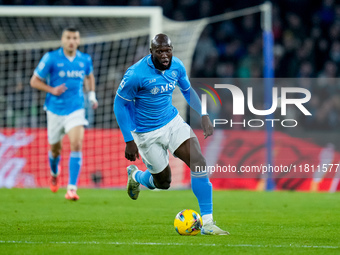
[62,73]
[143,105]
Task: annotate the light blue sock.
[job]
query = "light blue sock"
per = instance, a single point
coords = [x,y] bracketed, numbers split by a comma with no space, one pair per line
[145,178]
[202,188]
[74,167]
[54,162]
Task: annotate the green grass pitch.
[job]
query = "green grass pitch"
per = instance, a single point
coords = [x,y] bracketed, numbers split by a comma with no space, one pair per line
[103,221]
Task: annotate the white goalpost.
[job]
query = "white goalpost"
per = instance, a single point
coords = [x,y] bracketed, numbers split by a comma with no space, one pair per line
[154,15]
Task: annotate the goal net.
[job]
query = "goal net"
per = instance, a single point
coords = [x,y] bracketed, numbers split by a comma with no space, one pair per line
[115,38]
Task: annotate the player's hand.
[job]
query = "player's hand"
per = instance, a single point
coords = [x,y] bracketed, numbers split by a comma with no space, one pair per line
[57,91]
[93,99]
[131,151]
[207,126]
[94,105]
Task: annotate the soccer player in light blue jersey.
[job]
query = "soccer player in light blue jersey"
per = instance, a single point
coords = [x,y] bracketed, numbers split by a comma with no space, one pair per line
[151,126]
[62,73]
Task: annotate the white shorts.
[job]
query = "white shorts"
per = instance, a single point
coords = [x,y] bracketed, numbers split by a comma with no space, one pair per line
[58,125]
[153,146]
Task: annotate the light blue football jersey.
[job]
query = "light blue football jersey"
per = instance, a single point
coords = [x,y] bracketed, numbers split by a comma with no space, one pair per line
[55,69]
[150,90]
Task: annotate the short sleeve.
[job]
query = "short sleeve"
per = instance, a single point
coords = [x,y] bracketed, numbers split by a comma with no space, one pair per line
[183,80]
[89,66]
[44,67]
[129,85]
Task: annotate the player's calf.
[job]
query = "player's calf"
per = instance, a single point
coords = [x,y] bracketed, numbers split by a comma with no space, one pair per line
[163,184]
[162,180]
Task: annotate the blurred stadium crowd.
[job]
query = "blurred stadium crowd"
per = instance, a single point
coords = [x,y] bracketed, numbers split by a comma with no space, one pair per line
[307,44]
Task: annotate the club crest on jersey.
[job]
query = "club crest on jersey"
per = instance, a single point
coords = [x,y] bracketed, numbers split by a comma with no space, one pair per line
[174,74]
[155,90]
[81,64]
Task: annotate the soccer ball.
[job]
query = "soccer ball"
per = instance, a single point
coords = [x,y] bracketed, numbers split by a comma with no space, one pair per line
[188,223]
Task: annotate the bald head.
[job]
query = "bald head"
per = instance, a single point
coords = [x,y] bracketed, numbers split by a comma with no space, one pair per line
[160,40]
[161,51]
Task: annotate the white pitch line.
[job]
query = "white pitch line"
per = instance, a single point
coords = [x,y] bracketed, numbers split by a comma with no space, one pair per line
[180,244]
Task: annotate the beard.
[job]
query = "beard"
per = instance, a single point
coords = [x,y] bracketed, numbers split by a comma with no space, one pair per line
[159,65]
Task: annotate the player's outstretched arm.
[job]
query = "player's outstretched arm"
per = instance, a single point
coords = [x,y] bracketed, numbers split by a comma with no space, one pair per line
[122,113]
[37,83]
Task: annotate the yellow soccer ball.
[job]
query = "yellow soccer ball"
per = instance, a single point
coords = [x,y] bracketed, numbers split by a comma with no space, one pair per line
[188,223]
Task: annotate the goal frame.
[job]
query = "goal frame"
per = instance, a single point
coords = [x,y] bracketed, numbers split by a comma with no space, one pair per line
[155,13]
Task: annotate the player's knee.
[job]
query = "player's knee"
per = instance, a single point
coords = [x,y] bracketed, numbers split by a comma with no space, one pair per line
[76,146]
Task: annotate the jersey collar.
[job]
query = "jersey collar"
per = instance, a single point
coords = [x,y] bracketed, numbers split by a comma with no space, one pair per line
[61,53]
[149,61]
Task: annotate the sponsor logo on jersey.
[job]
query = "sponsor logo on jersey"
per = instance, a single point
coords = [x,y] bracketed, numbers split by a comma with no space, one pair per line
[75,74]
[62,74]
[72,74]
[168,87]
[163,88]
[60,64]
[155,90]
